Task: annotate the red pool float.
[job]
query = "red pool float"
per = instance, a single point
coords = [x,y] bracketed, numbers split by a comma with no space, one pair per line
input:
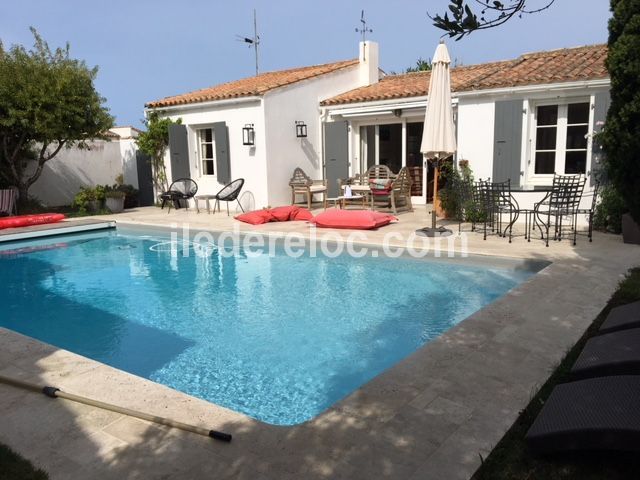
[27,220]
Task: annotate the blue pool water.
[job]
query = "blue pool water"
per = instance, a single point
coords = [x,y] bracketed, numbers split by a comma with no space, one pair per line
[280,339]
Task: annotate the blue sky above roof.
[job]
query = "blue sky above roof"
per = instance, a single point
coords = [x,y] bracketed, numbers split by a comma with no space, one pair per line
[152,49]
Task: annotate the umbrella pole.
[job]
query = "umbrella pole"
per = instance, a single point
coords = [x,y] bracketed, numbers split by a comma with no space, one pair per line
[435,194]
[54,392]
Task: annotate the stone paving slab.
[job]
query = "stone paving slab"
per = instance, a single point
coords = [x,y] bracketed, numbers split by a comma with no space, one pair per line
[429,417]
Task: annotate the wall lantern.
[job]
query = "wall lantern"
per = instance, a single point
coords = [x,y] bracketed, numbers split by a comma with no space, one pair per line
[301,129]
[248,134]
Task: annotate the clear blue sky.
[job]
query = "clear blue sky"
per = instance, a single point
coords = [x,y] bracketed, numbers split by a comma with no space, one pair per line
[148,49]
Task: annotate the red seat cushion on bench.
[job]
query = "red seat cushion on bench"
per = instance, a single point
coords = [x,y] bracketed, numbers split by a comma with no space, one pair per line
[354,219]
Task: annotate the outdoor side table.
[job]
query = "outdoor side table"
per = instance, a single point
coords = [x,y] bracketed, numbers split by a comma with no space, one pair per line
[207,199]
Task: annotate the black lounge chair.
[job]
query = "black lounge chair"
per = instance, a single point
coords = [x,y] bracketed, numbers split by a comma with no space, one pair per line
[181,190]
[596,414]
[616,353]
[229,193]
[622,318]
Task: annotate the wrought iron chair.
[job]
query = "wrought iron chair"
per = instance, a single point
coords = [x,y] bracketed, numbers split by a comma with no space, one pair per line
[302,184]
[181,190]
[562,202]
[228,194]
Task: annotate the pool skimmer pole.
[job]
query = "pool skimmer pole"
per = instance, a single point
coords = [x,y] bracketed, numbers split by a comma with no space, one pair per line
[54,392]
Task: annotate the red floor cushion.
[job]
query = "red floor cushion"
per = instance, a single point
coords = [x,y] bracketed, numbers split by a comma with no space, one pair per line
[355,219]
[257,217]
[278,214]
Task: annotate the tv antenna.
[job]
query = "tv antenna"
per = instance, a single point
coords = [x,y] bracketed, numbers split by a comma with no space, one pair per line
[252,41]
[364,30]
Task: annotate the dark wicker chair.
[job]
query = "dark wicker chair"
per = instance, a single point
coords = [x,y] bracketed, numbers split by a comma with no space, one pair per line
[181,190]
[229,193]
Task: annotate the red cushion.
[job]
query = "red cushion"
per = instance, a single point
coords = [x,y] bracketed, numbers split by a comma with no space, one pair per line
[356,219]
[302,214]
[283,214]
[257,217]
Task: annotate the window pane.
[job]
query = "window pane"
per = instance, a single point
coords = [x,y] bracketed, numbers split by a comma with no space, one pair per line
[545,162]
[576,137]
[578,113]
[208,151]
[208,135]
[207,167]
[548,115]
[575,162]
[546,138]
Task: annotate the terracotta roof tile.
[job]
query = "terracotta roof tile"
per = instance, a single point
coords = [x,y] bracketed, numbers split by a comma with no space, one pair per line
[565,65]
[252,86]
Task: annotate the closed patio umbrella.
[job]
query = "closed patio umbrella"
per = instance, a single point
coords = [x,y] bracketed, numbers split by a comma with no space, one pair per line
[438,137]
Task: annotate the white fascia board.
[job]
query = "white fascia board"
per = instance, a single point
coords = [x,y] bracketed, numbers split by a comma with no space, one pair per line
[385,107]
[204,105]
[527,89]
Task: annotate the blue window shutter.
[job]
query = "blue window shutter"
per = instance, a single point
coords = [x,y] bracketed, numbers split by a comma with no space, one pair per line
[507,137]
[179,152]
[223,161]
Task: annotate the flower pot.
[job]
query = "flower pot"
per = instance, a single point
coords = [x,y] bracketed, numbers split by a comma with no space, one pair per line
[630,230]
[115,205]
[93,206]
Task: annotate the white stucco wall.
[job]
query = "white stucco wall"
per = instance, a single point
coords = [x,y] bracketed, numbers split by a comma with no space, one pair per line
[73,168]
[475,135]
[246,162]
[285,151]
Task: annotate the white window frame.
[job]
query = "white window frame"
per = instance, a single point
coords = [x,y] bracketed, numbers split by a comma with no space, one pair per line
[200,142]
[561,137]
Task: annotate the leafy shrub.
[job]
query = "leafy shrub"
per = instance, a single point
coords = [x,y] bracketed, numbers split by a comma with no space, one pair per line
[608,214]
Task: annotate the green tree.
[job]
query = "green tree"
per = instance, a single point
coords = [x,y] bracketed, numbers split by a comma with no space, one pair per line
[621,135]
[47,101]
[420,66]
[493,13]
[154,142]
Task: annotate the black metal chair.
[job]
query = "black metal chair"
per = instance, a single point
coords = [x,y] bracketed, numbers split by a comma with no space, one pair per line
[181,190]
[562,202]
[228,194]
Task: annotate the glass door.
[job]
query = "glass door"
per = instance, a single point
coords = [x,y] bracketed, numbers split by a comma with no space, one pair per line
[416,163]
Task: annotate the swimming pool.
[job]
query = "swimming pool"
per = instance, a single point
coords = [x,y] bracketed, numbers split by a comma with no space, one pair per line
[278,338]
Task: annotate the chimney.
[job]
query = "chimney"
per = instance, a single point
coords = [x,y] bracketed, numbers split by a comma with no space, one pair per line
[368,63]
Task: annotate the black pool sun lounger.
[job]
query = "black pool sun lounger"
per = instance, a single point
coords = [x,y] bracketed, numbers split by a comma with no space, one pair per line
[616,353]
[622,318]
[595,414]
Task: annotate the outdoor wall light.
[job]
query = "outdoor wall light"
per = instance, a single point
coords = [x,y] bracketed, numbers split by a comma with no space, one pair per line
[301,129]
[248,134]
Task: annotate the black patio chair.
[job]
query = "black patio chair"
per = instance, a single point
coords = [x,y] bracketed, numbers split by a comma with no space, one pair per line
[181,190]
[562,202]
[228,194]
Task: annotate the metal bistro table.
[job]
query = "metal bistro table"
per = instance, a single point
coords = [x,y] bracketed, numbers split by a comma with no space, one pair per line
[529,213]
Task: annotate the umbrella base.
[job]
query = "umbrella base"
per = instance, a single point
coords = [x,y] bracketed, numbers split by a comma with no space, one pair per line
[434,232]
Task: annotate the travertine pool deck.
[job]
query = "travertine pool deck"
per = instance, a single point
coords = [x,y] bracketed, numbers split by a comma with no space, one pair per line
[429,417]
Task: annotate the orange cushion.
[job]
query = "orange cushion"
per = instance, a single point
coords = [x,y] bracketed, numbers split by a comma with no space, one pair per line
[257,217]
[355,219]
[283,214]
[302,214]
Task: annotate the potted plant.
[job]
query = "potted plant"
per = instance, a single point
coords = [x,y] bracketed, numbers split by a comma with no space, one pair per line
[114,200]
[88,200]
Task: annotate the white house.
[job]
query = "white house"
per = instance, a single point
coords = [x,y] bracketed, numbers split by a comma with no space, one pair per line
[209,145]
[520,119]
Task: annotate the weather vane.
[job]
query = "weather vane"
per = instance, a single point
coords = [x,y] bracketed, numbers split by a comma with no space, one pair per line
[364,30]
[253,42]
